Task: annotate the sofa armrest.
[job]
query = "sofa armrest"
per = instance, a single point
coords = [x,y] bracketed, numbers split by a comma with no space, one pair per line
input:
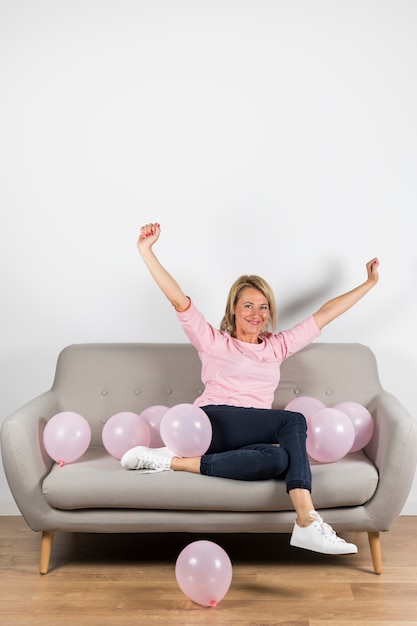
[393,449]
[25,460]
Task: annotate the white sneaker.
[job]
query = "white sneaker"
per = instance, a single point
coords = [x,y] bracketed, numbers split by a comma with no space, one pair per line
[320,537]
[147,459]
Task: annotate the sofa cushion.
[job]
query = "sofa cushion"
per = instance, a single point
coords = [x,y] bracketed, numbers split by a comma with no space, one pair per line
[97,480]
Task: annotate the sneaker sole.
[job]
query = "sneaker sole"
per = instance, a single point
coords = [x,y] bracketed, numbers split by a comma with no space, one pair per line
[320,550]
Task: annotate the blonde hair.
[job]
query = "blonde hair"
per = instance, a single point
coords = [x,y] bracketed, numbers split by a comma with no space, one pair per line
[228,322]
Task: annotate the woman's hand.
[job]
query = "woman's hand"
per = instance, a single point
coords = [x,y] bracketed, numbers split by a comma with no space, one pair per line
[372,269]
[149,234]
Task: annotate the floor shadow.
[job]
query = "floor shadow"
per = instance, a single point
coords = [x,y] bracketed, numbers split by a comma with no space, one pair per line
[164,548]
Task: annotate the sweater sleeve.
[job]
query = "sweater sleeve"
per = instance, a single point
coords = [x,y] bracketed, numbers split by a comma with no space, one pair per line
[294,339]
[201,334]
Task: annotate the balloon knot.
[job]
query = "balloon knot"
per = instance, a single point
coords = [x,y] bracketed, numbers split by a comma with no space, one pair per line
[61,463]
[213,603]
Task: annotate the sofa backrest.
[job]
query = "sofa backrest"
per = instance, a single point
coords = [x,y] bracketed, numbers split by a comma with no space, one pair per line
[101,379]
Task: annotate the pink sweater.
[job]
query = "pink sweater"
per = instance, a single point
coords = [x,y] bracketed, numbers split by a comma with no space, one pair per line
[238,373]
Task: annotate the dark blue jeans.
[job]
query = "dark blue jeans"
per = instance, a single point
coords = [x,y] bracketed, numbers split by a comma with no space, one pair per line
[241,445]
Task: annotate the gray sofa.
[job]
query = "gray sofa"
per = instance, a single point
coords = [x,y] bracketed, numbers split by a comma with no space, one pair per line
[364,491]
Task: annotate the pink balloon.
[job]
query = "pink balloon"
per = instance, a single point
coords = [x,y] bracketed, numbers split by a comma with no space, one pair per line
[305,405]
[186,430]
[204,572]
[330,435]
[362,423]
[154,415]
[123,431]
[66,437]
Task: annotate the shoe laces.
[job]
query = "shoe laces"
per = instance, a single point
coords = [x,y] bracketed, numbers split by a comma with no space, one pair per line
[152,460]
[326,530]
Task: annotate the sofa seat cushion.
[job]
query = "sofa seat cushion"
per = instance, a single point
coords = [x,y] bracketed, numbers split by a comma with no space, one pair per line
[98,481]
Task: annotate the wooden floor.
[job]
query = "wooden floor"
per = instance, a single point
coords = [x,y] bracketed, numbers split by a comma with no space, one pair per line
[103,580]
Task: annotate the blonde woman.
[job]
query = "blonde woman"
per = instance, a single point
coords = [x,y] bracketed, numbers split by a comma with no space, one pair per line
[240,371]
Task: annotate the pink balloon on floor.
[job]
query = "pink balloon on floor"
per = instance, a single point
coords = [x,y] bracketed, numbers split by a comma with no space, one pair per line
[330,435]
[204,572]
[123,431]
[154,415]
[186,430]
[306,405]
[362,423]
[66,437]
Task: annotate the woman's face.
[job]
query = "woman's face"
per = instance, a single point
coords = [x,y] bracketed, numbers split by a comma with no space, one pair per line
[251,315]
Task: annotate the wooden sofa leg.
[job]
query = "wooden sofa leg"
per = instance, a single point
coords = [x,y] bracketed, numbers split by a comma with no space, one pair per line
[46,547]
[375,545]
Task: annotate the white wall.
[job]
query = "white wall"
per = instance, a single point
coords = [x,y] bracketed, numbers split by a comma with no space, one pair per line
[266,136]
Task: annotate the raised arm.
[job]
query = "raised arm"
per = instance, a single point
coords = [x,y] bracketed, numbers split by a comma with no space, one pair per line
[149,234]
[335,307]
